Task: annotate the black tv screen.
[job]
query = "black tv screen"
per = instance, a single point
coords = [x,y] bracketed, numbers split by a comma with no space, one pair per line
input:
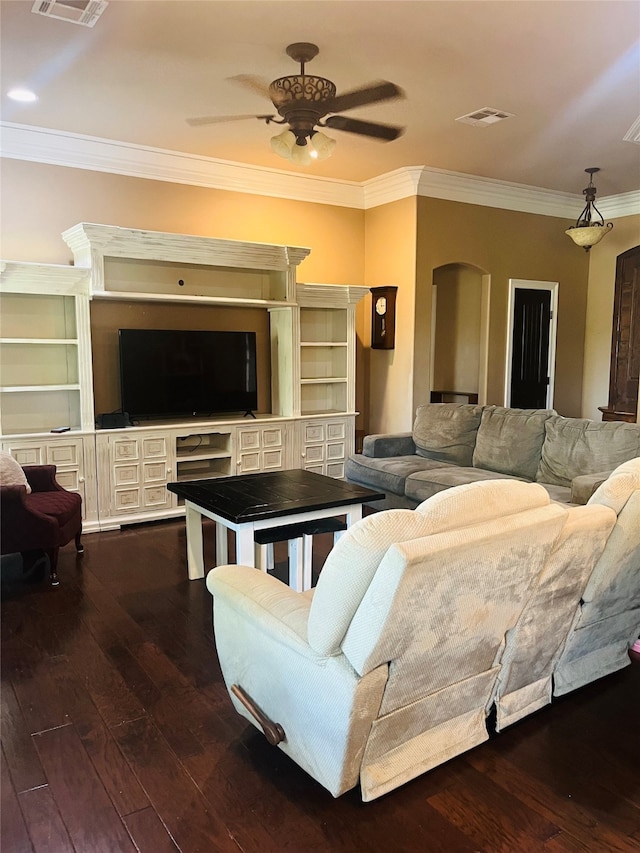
[169,373]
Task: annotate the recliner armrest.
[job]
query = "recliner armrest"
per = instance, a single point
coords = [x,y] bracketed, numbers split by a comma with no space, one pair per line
[388,444]
[583,486]
[264,600]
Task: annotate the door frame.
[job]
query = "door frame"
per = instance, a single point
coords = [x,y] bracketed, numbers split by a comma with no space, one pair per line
[525,284]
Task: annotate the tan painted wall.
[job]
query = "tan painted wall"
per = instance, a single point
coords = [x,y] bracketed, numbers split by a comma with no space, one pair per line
[504,244]
[400,243]
[38,202]
[390,258]
[602,275]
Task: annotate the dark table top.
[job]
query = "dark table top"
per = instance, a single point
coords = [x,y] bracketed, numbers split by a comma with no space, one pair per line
[271,494]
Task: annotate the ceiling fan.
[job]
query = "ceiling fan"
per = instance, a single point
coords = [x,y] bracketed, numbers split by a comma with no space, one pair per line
[303,100]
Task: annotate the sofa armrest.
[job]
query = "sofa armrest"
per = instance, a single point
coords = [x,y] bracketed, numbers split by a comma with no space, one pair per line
[583,486]
[388,444]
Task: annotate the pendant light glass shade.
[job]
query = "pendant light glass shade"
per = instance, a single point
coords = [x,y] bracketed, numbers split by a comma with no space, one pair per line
[589,229]
[322,145]
[283,144]
[301,155]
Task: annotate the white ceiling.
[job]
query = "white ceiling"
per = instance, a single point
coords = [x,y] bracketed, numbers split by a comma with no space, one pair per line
[568,69]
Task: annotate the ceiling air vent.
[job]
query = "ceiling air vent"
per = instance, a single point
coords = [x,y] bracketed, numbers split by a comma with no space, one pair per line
[83,12]
[633,134]
[484,117]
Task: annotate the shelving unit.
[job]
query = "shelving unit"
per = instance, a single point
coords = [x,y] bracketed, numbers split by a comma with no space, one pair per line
[327,348]
[45,364]
[46,376]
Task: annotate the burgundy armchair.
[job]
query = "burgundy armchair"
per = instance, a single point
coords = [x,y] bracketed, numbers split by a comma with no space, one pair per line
[45,519]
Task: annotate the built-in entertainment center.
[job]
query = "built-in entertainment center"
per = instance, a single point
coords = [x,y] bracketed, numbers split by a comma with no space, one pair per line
[224,361]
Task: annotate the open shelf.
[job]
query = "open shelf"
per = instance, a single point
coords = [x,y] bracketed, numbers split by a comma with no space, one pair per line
[204,455]
[323,326]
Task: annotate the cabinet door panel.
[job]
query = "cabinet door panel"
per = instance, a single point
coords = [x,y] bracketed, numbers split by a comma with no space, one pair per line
[69,480]
[35,455]
[155,471]
[314,432]
[336,450]
[66,453]
[125,448]
[249,463]
[126,474]
[127,500]
[336,430]
[314,453]
[156,496]
[272,437]
[335,469]
[272,460]
[156,446]
[249,439]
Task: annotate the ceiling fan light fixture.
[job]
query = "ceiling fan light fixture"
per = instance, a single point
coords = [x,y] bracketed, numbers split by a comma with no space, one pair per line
[301,155]
[282,144]
[588,229]
[321,145]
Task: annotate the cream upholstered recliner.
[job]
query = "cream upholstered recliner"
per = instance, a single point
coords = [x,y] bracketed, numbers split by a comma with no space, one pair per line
[386,669]
[607,618]
[534,645]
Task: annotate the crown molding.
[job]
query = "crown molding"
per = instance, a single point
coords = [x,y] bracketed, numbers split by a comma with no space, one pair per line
[59,148]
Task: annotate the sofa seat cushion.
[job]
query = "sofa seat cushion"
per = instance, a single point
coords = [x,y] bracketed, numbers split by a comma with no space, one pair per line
[510,441]
[575,446]
[560,494]
[387,474]
[446,432]
[424,484]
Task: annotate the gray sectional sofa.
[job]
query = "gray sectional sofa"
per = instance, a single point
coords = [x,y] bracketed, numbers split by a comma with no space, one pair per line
[452,444]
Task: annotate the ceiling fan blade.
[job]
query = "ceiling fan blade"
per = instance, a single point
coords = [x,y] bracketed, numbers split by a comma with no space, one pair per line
[371,94]
[386,132]
[253,82]
[196,122]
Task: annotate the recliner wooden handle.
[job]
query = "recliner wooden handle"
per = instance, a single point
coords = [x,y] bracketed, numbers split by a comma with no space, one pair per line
[273,732]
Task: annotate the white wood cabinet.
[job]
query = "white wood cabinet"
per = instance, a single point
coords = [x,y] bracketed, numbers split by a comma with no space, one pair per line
[263,448]
[46,372]
[326,444]
[74,458]
[134,478]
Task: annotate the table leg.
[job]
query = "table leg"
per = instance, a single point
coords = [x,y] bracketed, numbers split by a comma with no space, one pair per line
[195,559]
[354,514]
[296,565]
[222,551]
[245,549]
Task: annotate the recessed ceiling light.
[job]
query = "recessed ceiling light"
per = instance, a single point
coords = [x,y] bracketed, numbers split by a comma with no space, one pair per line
[24,96]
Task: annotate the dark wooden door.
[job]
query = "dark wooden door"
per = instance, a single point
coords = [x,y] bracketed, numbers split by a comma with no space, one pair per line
[530,348]
[625,339]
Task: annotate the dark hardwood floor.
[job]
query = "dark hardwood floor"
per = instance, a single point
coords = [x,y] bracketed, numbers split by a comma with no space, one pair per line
[118,736]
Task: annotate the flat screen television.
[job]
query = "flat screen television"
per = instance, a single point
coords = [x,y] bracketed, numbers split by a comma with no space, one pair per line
[173,373]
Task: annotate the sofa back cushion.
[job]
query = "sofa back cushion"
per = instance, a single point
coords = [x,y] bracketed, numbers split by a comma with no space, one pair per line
[510,441]
[447,431]
[574,446]
[354,560]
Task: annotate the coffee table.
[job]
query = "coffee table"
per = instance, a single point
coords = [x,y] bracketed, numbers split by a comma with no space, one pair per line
[251,502]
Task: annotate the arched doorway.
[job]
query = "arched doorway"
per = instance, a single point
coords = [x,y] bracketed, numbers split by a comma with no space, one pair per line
[459,334]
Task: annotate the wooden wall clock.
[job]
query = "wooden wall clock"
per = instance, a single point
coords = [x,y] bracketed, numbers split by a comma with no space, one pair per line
[383,317]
